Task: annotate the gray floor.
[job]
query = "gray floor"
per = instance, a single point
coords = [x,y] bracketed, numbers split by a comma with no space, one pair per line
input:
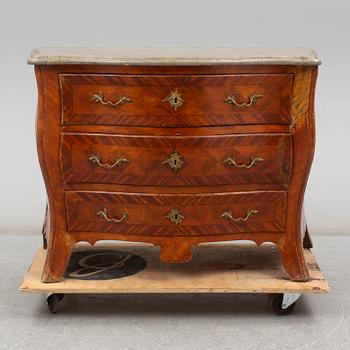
[173,321]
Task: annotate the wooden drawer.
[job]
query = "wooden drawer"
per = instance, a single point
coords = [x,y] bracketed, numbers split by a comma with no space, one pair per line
[176,100]
[176,161]
[176,214]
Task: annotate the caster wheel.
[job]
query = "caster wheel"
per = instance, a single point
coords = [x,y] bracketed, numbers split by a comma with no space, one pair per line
[276,301]
[53,300]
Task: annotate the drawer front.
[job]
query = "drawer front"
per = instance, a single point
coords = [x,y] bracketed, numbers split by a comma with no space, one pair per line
[173,100]
[176,215]
[176,161]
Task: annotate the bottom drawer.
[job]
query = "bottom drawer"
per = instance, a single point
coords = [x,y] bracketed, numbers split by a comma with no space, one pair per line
[176,214]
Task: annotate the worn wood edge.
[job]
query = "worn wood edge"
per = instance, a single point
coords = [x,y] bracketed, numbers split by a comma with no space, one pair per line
[32,283]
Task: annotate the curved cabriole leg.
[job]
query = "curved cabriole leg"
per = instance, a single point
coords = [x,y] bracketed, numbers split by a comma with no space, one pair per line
[307,242]
[45,227]
[293,260]
[57,260]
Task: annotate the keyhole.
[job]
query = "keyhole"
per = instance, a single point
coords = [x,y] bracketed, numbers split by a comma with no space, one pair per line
[175,162]
[175,216]
[175,100]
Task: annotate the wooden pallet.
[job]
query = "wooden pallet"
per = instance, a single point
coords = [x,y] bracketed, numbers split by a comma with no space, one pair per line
[215,268]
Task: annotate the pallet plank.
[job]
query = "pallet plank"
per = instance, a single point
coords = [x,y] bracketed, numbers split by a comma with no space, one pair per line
[215,268]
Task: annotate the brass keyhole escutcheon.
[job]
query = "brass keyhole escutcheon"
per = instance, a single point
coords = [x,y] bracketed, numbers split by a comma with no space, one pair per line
[174,99]
[175,216]
[174,161]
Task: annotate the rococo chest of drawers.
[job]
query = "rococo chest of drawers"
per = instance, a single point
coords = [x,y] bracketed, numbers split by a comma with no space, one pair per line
[176,148]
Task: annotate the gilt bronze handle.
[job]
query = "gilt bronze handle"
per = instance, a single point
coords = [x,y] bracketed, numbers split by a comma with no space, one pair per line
[229,216]
[104,214]
[232,100]
[231,161]
[99,98]
[96,159]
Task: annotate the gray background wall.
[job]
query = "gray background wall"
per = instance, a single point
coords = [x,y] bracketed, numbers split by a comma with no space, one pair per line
[24,25]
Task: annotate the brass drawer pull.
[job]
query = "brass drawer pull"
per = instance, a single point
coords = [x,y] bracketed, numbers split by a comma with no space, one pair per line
[96,159]
[231,161]
[174,161]
[104,214]
[121,101]
[229,216]
[174,99]
[232,100]
[175,216]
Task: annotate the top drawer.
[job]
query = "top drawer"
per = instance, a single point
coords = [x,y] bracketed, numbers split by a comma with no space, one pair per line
[176,100]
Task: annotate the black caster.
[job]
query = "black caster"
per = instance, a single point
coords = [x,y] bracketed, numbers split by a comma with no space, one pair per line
[283,304]
[53,300]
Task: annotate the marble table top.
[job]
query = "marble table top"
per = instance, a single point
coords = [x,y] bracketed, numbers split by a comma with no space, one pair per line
[173,56]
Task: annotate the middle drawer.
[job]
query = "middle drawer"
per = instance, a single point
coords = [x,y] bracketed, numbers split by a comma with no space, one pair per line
[177,160]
